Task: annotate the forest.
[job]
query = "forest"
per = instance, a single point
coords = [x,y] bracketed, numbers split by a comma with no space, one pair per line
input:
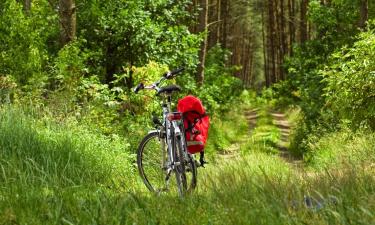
[289,86]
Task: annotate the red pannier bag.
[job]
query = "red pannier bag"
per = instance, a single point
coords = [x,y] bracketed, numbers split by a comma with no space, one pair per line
[196,123]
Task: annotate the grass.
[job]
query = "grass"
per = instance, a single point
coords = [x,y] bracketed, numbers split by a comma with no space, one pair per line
[65,174]
[221,133]
[265,136]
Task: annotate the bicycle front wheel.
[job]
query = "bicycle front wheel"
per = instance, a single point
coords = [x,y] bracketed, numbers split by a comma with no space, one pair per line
[151,160]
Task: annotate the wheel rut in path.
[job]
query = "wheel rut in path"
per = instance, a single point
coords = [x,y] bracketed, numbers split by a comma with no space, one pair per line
[280,121]
[251,117]
[232,151]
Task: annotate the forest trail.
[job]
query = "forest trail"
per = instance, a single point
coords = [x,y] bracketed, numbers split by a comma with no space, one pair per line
[251,117]
[281,122]
[232,151]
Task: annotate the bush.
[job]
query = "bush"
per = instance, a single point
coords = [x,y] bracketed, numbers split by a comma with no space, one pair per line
[350,82]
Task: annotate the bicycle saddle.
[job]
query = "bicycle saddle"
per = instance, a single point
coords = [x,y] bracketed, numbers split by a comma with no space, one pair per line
[169,89]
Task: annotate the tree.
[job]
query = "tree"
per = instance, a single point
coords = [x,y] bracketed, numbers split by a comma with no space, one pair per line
[363,13]
[68,23]
[303,21]
[203,21]
[291,19]
[27,5]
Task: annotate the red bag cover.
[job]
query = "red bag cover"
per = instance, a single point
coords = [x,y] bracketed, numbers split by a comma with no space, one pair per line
[194,113]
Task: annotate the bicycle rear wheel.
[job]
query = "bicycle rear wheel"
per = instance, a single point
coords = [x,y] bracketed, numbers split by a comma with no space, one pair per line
[186,170]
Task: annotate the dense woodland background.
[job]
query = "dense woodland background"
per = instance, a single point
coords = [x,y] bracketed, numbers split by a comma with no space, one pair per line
[70,123]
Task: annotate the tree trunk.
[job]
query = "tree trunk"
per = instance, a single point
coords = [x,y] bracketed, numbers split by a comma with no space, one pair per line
[203,20]
[224,28]
[27,5]
[265,58]
[303,22]
[218,11]
[363,14]
[67,13]
[291,26]
[272,38]
[211,24]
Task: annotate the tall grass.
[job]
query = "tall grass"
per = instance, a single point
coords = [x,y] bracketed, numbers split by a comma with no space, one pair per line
[41,154]
[42,160]
[257,189]
[65,174]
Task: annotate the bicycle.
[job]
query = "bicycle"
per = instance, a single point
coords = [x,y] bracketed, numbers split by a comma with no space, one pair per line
[163,151]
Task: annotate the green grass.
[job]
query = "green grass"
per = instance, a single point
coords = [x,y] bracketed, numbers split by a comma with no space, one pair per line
[339,148]
[53,173]
[257,189]
[226,130]
[265,136]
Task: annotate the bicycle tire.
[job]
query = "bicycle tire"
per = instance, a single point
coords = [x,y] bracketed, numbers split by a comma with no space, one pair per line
[154,175]
[186,172]
[150,162]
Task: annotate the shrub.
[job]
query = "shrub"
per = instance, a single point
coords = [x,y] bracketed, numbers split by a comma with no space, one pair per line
[350,82]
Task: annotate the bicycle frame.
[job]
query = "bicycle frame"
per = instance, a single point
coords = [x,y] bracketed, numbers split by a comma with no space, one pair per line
[173,131]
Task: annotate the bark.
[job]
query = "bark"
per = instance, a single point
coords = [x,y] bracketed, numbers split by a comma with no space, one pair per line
[363,14]
[203,21]
[265,58]
[218,11]
[291,26]
[67,13]
[211,24]
[272,38]
[27,5]
[192,9]
[224,27]
[303,22]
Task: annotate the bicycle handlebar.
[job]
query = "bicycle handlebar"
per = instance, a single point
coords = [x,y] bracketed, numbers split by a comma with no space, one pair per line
[139,87]
[168,75]
[171,74]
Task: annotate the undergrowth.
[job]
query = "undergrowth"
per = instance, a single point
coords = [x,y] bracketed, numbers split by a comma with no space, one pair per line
[64,173]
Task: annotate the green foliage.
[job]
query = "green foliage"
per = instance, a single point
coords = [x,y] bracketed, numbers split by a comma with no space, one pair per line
[350,82]
[8,89]
[336,26]
[69,66]
[220,87]
[24,49]
[133,33]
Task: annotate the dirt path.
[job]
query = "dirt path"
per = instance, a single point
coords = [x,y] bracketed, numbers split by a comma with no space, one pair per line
[233,150]
[251,117]
[281,122]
